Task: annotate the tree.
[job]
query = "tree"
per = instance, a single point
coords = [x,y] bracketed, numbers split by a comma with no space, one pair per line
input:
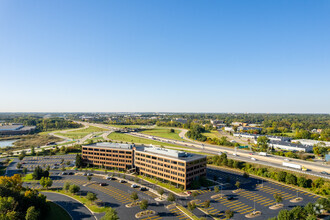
[111,214]
[39,172]
[66,186]
[302,182]
[46,182]
[284,214]
[33,151]
[278,198]
[194,194]
[207,203]
[291,179]
[298,213]
[89,178]
[21,156]
[216,189]
[191,206]
[262,142]
[324,203]
[144,204]
[309,208]
[229,214]
[19,166]
[238,184]
[74,189]
[160,192]
[7,208]
[281,176]
[134,196]
[31,213]
[91,196]
[171,197]
[24,170]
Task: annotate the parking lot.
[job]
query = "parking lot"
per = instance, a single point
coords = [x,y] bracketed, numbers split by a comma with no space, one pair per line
[255,194]
[43,161]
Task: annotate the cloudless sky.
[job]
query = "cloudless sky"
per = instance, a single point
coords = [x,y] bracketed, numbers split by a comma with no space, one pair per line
[165,55]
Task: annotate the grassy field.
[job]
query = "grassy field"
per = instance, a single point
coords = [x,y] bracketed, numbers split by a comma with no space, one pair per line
[82,132]
[35,140]
[212,134]
[164,133]
[56,212]
[131,139]
[165,185]
[128,126]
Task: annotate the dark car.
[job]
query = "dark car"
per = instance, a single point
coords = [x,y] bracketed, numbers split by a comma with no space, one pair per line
[122,181]
[144,189]
[112,178]
[71,173]
[230,198]
[64,173]
[103,184]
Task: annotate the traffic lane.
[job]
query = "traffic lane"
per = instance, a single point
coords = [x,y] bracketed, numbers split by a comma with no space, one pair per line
[76,209]
[11,169]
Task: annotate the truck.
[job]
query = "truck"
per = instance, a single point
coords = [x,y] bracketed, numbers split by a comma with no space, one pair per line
[262,153]
[292,165]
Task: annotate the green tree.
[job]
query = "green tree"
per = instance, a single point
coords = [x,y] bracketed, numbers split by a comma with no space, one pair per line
[46,182]
[134,196]
[238,184]
[171,197]
[91,196]
[89,178]
[31,213]
[284,214]
[19,166]
[191,206]
[74,189]
[262,142]
[66,186]
[302,182]
[281,176]
[278,198]
[21,156]
[291,179]
[111,214]
[194,194]
[298,213]
[160,192]
[309,208]
[24,170]
[207,203]
[33,151]
[229,214]
[7,208]
[216,189]
[144,204]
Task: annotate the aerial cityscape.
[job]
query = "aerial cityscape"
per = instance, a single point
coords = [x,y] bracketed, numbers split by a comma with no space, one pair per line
[150,110]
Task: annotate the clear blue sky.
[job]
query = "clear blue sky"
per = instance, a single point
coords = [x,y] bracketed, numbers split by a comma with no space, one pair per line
[170,55]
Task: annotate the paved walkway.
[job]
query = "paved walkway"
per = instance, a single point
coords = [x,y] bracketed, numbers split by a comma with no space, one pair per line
[76,209]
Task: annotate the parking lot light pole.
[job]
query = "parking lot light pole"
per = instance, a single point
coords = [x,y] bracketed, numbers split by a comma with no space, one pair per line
[254,204]
[221,190]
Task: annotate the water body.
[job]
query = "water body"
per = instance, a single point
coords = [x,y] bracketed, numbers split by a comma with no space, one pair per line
[7,143]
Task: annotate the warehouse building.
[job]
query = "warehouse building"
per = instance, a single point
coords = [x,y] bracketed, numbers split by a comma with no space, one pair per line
[16,129]
[177,167]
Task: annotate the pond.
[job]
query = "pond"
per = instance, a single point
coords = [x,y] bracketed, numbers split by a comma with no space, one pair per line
[7,143]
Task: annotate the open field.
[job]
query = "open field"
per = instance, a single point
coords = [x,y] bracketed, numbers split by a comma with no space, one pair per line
[128,138]
[212,134]
[34,140]
[128,126]
[56,212]
[164,133]
[82,132]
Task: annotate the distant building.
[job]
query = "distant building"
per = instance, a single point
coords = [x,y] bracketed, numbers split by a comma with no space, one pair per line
[173,166]
[16,129]
[310,142]
[278,138]
[327,157]
[242,128]
[236,123]
[229,129]
[316,131]
[284,145]
[181,120]
[246,135]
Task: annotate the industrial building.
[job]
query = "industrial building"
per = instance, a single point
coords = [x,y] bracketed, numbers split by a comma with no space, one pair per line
[16,129]
[177,167]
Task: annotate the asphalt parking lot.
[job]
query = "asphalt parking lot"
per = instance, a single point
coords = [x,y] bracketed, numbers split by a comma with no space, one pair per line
[43,161]
[255,194]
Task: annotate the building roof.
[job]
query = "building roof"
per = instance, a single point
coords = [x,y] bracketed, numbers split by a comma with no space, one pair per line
[289,144]
[10,127]
[173,154]
[112,145]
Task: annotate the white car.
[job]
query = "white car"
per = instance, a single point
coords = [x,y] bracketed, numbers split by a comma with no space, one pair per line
[134,186]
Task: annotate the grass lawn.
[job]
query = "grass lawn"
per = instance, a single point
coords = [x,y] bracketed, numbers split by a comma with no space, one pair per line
[137,140]
[28,178]
[189,213]
[82,132]
[35,140]
[212,134]
[165,185]
[128,126]
[83,200]
[164,133]
[56,212]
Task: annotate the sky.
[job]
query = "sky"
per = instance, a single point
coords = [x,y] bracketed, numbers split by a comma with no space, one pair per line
[165,56]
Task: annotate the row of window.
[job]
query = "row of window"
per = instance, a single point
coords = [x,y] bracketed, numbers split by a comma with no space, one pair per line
[108,151]
[108,155]
[158,159]
[112,159]
[157,174]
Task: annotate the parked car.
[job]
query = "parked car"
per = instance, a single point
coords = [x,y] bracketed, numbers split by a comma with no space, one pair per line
[325,173]
[64,173]
[144,189]
[108,178]
[89,174]
[122,181]
[113,178]
[134,186]
[103,184]
[85,174]
[189,192]
[71,173]
[230,197]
